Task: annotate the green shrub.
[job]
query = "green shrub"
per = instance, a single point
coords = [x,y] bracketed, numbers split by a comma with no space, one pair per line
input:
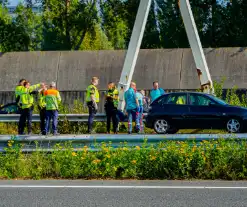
[222,159]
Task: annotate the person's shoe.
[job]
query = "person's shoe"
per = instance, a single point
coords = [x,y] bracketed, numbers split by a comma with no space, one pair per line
[129,132]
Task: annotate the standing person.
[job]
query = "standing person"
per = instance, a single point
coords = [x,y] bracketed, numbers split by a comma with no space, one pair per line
[18,90]
[140,112]
[42,109]
[27,105]
[111,104]
[92,99]
[145,102]
[156,92]
[132,107]
[52,99]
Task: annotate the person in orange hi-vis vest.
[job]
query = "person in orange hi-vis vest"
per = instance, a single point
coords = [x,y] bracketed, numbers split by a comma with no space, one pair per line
[52,99]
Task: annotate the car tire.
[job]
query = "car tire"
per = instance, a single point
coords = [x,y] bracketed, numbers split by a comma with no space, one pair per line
[161,126]
[234,125]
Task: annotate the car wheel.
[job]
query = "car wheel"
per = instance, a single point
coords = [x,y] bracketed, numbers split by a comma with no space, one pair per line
[233,125]
[161,126]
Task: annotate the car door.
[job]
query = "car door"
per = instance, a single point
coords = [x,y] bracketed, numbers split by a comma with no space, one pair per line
[176,108]
[204,112]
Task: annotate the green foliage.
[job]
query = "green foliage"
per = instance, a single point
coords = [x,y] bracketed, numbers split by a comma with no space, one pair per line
[96,41]
[101,24]
[114,23]
[67,22]
[221,159]
[10,32]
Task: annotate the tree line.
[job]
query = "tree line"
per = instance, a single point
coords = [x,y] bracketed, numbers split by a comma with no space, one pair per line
[107,24]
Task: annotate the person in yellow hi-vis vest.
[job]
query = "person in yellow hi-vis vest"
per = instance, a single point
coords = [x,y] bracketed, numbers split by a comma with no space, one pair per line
[42,109]
[18,90]
[111,104]
[92,99]
[27,105]
[180,100]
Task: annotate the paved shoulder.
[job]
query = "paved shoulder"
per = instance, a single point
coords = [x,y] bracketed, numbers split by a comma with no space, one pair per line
[122,193]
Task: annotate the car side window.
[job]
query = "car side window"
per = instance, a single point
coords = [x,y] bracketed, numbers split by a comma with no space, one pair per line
[177,99]
[162,100]
[198,100]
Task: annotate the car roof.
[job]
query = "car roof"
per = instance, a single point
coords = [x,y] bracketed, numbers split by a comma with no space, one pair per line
[191,92]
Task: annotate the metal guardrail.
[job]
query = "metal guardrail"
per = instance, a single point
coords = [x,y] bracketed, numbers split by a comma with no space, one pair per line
[46,143]
[62,117]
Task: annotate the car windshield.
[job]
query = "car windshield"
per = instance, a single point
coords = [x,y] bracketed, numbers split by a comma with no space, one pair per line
[219,101]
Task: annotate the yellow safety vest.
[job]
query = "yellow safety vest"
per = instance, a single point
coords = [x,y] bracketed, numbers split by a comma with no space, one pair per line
[114,95]
[180,101]
[92,90]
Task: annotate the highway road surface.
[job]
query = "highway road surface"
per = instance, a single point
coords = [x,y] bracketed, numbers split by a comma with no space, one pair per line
[122,193]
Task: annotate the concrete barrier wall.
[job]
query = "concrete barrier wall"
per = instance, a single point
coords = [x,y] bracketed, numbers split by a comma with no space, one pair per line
[173,68]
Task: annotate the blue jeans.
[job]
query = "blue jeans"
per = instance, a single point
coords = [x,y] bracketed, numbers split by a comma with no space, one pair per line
[140,118]
[92,112]
[133,115]
[51,114]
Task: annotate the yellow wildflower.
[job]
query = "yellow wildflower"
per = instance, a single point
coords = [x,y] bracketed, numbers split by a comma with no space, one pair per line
[74,154]
[9,144]
[133,162]
[106,149]
[193,149]
[125,148]
[108,156]
[153,158]
[138,148]
[96,161]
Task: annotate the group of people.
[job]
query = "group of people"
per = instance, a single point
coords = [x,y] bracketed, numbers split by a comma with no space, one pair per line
[48,101]
[135,104]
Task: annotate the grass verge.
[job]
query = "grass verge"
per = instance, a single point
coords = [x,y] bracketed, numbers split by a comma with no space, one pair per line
[221,159]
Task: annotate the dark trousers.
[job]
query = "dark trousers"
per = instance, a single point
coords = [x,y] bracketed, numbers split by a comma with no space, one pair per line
[42,115]
[51,115]
[111,114]
[92,112]
[26,115]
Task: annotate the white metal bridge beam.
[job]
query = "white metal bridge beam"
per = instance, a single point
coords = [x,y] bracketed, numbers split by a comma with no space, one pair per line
[133,49]
[196,47]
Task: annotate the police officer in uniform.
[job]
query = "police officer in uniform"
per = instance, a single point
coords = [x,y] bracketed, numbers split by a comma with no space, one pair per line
[111,104]
[92,99]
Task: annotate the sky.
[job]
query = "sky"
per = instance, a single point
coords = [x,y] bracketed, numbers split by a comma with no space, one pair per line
[13,2]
